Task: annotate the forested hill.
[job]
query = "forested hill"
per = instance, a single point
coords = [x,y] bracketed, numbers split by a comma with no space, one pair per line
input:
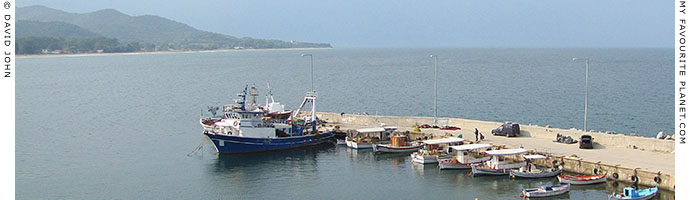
[87,32]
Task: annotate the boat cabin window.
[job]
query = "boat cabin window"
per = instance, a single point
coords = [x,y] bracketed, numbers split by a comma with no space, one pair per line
[501,158]
[464,153]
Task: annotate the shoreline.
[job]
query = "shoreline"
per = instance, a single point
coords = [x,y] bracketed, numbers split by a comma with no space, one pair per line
[156,52]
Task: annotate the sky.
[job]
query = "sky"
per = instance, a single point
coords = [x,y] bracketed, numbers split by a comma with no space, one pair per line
[408,23]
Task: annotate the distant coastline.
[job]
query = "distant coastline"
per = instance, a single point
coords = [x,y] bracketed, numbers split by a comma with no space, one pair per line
[46,31]
[161,52]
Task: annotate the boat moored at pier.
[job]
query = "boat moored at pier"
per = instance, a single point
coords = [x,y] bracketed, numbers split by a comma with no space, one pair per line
[364,138]
[633,194]
[247,127]
[530,170]
[399,144]
[546,191]
[582,180]
[499,164]
[435,150]
[465,156]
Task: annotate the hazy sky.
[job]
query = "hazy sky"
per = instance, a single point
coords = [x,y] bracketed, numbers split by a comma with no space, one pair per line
[406,23]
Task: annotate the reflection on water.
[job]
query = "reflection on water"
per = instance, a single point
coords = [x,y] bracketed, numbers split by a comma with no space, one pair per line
[307,156]
[330,166]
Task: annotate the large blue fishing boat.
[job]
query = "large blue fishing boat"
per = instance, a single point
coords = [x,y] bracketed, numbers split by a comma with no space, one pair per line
[248,127]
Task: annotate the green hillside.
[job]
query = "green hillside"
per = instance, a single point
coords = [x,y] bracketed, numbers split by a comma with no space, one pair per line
[51,29]
[147,31]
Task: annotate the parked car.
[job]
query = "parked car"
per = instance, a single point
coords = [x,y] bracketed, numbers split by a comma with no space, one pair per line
[425,126]
[586,142]
[508,129]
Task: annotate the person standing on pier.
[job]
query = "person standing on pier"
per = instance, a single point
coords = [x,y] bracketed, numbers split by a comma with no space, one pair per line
[476,134]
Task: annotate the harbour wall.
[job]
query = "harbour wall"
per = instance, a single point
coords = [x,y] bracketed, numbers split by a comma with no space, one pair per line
[617,140]
[615,172]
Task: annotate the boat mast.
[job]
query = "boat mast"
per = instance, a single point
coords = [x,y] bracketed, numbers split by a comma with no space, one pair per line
[269,95]
[243,103]
[254,94]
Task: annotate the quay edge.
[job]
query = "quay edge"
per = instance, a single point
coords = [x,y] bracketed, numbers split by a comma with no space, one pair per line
[625,171]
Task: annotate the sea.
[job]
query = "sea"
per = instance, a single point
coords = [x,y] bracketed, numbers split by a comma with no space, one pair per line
[122,126]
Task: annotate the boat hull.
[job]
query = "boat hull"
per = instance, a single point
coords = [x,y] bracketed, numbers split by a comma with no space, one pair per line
[645,194]
[381,148]
[356,145]
[236,144]
[541,192]
[582,180]
[518,174]
[611,197]
[423,159]
[428,159]
[453,166]
[479,170]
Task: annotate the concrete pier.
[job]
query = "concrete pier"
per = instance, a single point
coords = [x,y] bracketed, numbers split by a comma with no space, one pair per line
[622,155]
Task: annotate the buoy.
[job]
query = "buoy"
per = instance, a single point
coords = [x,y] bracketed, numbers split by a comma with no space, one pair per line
[596,171]
[657,179]
[615,175]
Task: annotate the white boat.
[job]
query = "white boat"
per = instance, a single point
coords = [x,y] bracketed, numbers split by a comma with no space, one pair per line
[532,171]
[465,156]
[435,150]
[498,164]
[364,138]
[546,191]
[398,144]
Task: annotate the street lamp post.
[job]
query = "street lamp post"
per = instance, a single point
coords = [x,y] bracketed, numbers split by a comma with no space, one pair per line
[586,86]
[435,88]
[311,58]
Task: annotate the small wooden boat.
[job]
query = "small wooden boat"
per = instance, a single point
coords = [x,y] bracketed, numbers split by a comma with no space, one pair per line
[582,180]
[546,191]
[532,171]
[398,144]
[435,150]
[632,194]
[465,156]
[498,165]
[385,148]
[364,138]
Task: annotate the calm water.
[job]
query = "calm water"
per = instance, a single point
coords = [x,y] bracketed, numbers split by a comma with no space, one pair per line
[120,126]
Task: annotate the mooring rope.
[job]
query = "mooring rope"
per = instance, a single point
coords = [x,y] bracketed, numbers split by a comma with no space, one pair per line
[200,147]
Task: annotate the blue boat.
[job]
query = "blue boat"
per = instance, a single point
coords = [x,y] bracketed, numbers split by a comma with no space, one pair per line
[248,127]
[632,194]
